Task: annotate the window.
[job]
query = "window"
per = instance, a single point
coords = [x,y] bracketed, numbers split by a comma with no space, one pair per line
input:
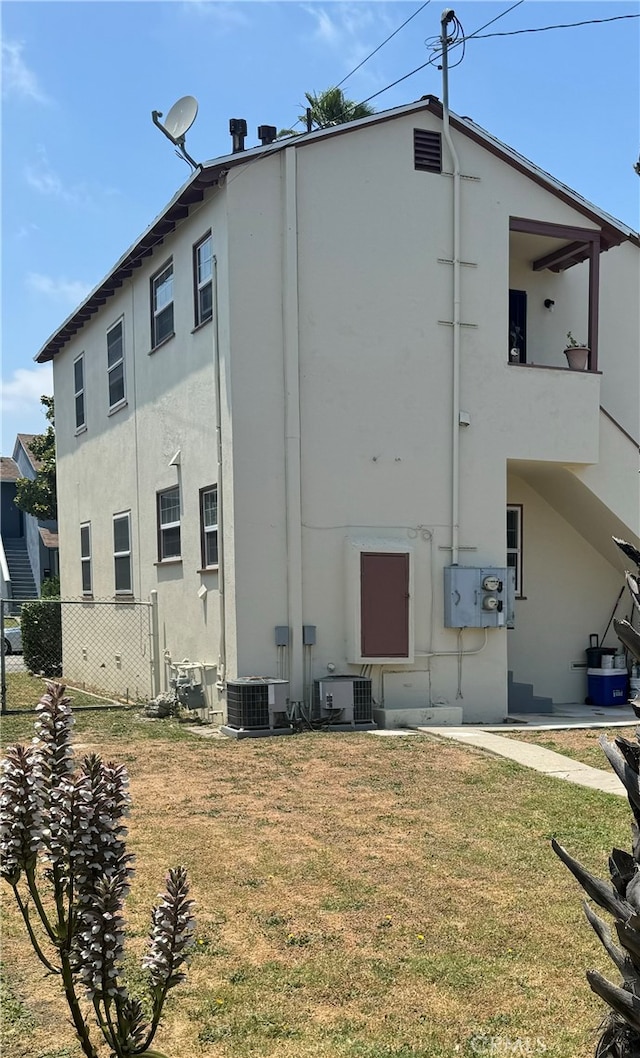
[514,543]
[209,526]
[78,390]
[203,276]
[169,524]
[115,363]
[122,552]
[85,558]
[162,305]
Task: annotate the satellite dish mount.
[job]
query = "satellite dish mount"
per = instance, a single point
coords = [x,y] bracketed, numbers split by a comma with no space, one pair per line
[177,123]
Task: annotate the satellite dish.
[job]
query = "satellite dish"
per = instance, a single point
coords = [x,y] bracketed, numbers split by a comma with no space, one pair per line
[181,117]
[179,120]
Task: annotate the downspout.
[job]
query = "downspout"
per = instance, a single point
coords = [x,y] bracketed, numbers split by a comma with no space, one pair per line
[222,645]
[293,501]
[447,16]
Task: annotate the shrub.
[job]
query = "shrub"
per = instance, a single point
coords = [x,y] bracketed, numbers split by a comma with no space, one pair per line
[41,623]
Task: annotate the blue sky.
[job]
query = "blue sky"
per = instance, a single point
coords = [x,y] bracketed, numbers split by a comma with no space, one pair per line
[85,171]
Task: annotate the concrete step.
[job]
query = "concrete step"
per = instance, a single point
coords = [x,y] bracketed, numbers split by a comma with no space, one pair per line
[431,716]
[521,699]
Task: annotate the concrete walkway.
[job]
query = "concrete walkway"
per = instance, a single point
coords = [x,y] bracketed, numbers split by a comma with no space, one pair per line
[532,756]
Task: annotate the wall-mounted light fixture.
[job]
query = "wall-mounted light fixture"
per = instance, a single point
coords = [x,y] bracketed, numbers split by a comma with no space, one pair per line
[549,304]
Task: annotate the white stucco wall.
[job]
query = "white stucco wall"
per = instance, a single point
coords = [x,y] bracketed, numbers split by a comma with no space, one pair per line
[374,345]
[120,461]
[570,591]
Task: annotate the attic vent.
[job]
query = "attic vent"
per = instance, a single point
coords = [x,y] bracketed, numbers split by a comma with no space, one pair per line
[427,151]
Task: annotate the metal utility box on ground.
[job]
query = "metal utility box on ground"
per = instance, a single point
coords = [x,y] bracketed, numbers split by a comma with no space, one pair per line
[257,707]
[479,597]
[344,702]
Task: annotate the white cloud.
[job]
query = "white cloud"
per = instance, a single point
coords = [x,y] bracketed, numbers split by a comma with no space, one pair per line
[43,179]
[21,394]
[71,291]
[228,15]
[351,30]
[17,79]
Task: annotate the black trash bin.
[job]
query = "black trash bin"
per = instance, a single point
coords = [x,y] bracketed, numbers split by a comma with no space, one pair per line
[595,655]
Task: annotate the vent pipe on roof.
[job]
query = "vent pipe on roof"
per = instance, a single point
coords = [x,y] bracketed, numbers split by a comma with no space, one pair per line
[267,134]
[238,131]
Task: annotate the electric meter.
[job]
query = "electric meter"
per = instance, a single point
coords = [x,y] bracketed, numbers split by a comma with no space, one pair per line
[491,583]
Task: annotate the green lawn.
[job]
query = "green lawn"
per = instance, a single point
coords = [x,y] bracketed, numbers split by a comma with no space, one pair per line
[357,897]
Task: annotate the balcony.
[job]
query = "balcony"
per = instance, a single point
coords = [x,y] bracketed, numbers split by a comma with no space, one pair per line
[550,414]
[553,290]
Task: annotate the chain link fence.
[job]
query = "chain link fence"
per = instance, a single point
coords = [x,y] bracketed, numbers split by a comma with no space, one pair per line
[108,649]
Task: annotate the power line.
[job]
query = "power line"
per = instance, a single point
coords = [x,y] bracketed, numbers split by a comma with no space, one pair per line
[390,37]
[562,25]
[478,35]
[435,58]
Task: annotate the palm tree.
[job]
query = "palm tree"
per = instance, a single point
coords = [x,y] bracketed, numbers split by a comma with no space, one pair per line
[329,108]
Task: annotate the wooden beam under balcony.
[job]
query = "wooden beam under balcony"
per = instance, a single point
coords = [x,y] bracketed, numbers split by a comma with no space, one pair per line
[564,257]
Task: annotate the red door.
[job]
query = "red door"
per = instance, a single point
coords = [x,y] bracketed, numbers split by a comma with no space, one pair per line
[384,604]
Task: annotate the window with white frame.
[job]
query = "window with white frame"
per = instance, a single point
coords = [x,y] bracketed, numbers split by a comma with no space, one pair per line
[209,526]
[514,542]
[169,524]
[162,305]
[85,558]
[115,363]
[122,552]
[78,390]
[203,276]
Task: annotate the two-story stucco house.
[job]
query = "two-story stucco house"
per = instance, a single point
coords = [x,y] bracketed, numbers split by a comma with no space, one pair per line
[333,369]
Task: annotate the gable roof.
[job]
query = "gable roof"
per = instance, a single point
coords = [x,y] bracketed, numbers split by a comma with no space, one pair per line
[9,469]
[25,439]
[613,232]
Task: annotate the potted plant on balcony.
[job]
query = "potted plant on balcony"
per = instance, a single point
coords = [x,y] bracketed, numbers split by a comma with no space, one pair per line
[577,353]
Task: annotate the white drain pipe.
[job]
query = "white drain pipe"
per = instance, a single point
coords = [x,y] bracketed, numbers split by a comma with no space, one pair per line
[291,353]
[447,16]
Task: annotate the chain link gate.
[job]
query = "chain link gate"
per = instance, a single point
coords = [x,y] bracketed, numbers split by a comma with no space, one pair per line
[104,648]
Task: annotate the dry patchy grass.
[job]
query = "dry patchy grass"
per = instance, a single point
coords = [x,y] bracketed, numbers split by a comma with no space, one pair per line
[357,897]
[579,743]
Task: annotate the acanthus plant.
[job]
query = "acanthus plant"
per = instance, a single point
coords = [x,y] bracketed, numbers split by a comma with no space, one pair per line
[63,852]
[620,897]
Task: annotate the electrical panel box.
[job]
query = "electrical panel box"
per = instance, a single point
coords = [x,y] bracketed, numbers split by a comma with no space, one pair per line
[282,635]
[479,598]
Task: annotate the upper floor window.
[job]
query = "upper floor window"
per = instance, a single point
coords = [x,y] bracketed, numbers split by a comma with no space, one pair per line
[115,363]
[169,524]
[122,552]
[85,558]
[162,305]
[203,274]
[514,542]
[209,526]
[78,390]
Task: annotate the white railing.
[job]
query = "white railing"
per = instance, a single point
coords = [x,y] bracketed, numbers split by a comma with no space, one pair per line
[5,578]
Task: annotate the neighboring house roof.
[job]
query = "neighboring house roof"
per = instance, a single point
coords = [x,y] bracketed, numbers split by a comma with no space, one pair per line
[9,469]
[25,440]
[613,231]
[49,539]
